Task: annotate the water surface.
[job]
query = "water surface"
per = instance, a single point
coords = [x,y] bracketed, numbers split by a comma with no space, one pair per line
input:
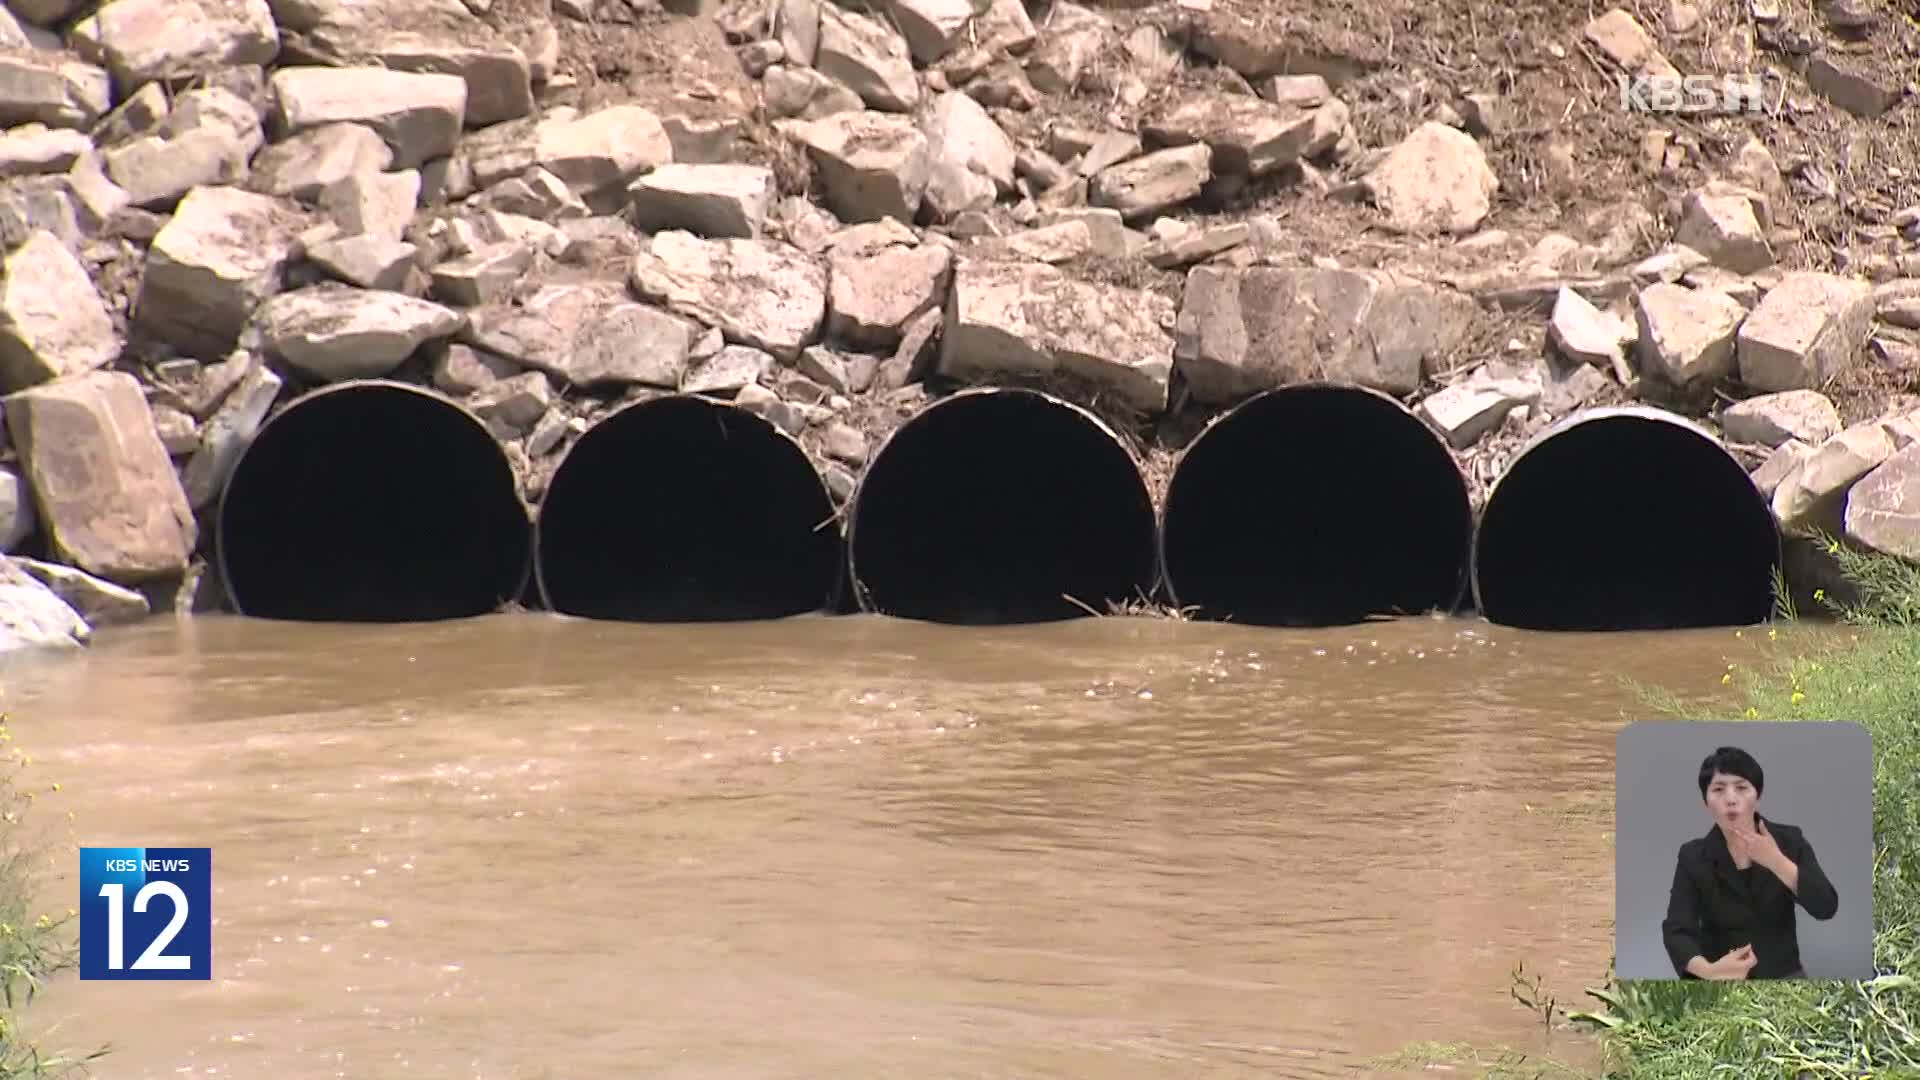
[526,846]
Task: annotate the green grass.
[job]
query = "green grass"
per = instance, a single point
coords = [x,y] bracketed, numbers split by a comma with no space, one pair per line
[32,947]
[1867,672]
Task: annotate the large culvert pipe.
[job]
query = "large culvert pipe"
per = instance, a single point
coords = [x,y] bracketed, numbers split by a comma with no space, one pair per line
[372,501]
[1313,505]
[1622,519]
[1000,505]
[686,509]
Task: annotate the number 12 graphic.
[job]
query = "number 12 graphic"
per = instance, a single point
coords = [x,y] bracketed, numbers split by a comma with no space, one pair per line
[155,958]
[153,904]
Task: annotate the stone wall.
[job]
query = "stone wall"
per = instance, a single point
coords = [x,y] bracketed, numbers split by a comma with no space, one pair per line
[827,213]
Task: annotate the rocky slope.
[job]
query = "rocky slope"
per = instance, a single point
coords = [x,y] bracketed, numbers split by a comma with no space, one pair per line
[827,212]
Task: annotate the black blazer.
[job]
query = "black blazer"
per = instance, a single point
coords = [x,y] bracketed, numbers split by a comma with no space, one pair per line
[1715,908]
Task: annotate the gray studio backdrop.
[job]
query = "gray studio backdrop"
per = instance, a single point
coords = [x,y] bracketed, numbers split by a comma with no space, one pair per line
[1819,776]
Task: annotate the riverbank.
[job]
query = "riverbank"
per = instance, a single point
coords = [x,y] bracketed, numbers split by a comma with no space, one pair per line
[1838,1029]
[1670,1030]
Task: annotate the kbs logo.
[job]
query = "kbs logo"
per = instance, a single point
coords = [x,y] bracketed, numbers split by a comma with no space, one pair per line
[1693,93]
[144,913]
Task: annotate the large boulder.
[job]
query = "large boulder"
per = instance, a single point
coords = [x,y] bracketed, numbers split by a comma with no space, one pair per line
[1725,225]
[419,115]
[711,200]
[1032,319]
[1436,180]
[932,27]
[1244,331]
[221,254]
[46,89]
[602,149]
[755,293]
[38,150]
[1883,507]
[499,76]
[100,603]
[872,165]
[1776,419]
[421,36]
[803,93]
[336,332]
[109,499]
[1686,335]
[1813,494]
[962,134]
[1146,185]
[588,335]
[373,203]
[1248,136]
[306,165]
[868,57]
[52,321]
[1804,331]
[1853,86]
[1075,39]
[873,298]
[155,172]
[142,41]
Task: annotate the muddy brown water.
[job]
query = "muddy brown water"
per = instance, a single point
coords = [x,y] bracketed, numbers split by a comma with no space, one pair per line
[524,846]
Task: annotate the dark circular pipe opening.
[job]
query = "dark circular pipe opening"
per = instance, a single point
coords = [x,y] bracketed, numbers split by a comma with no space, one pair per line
[686,509]
[1001,506]
[1316,505]
[1625,519]
[372,502]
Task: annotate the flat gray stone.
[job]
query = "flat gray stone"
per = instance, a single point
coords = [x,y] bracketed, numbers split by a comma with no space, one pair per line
[1774,419]
[755,293]
[715,201]
[419,115]
[1014,318]
[101,603]
[334,333]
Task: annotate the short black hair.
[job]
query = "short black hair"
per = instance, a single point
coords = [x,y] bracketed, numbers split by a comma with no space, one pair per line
[1732,761]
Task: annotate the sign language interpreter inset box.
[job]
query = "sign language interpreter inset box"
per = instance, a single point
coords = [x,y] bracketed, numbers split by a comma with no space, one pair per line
[1743,850]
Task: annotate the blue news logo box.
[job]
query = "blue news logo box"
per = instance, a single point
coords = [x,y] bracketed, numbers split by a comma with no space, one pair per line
[145,913]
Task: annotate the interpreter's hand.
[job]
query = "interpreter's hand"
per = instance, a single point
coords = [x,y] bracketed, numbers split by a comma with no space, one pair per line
[1733,966]
[1754,843]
